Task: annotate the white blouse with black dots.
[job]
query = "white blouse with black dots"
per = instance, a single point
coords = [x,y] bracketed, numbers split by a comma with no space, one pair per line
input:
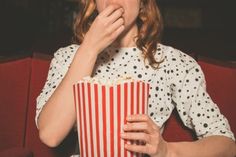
[179,82]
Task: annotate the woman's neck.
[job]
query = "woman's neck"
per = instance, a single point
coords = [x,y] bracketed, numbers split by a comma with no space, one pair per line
[127,38]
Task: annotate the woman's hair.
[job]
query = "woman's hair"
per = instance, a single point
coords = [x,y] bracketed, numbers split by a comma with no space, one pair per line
[149,23]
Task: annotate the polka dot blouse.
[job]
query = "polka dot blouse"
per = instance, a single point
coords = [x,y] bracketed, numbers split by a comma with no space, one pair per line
[178,83]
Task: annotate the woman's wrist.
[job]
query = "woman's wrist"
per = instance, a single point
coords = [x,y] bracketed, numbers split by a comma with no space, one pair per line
[91,51]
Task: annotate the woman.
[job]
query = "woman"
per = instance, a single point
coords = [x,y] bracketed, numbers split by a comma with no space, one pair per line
[120,37]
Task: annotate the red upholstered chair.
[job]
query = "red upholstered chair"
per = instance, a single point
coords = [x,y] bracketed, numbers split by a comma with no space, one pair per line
[21,81]
[16,152]
[221,85]
[14,85]
[39,70]
[175,131]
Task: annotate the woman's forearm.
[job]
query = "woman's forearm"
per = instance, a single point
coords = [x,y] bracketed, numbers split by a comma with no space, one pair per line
[58,115]
[214,146]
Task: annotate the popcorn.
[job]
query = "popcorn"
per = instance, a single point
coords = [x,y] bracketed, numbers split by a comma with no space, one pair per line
[107,82]
[101,109]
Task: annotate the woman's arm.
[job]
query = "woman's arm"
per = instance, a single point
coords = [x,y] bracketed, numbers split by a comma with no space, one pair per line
[142,128]
[212,146]
[58,115]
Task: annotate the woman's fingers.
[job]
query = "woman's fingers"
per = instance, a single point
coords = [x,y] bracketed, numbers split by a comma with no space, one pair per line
[112,21]
[138,118]
[117,32]
[105,29]
[115,15]
[142,118]
[117,24]
[140,126]
[136,137]
[111,14]
[109,10]
[142,129]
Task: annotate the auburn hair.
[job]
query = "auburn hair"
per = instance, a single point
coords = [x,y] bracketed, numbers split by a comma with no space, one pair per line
[149,22]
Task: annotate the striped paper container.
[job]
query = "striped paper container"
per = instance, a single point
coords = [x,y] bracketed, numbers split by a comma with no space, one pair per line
[101,112]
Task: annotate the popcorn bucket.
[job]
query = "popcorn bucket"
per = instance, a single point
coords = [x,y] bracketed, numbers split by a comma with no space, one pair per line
[101,111]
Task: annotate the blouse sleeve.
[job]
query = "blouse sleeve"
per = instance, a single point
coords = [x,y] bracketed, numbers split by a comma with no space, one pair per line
[194,105]
[57,70]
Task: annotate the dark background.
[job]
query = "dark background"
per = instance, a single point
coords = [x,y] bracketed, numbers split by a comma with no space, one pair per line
[205,27]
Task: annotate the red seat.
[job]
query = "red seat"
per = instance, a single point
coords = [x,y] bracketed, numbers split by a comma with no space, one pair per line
[221,85]
[21,81]
[14,85]
[175,131]
[39,70]
[16,152]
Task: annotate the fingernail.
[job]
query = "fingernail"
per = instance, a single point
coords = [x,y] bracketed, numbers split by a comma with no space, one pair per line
[125,127]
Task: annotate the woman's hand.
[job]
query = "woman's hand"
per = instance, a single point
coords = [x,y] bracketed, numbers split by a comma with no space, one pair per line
[105,29]
[141,128]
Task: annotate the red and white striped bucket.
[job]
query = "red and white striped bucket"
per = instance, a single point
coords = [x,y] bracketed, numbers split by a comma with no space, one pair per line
[101,111]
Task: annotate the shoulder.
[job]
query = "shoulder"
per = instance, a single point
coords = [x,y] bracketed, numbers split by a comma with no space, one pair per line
[67,50]
[65,55]
[174,58]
